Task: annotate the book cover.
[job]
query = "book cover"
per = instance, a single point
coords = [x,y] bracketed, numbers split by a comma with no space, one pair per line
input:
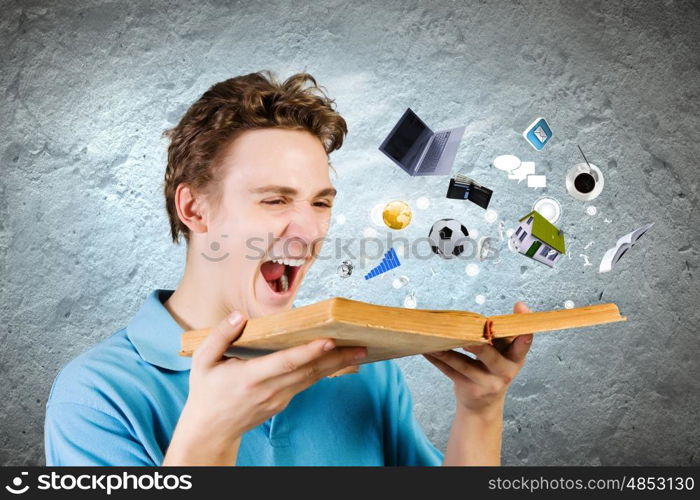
[393,332]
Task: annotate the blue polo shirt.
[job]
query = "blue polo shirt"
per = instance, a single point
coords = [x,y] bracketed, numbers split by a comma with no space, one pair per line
[118,404]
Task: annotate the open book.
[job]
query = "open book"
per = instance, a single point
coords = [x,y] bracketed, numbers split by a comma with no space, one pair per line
[393,332]
[613,255]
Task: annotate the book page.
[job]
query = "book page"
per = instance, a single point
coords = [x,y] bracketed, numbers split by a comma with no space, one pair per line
[614,254]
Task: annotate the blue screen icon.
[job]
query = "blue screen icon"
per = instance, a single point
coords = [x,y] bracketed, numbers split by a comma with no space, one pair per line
[538,133]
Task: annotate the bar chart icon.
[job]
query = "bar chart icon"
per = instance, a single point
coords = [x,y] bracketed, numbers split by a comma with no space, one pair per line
[389,262]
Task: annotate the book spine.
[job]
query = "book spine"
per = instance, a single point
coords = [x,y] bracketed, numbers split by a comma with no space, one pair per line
[488,331]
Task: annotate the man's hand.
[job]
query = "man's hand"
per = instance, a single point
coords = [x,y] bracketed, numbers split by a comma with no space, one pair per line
[480,385]
[228,397]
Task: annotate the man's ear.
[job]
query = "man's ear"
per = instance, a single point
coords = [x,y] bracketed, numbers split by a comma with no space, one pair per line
[190,208]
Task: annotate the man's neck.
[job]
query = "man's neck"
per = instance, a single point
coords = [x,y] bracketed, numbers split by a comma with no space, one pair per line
[194,306]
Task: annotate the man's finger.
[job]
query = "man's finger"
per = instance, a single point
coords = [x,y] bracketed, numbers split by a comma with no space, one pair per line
[326,365]
[214,345]
[521,345]
[520,307]
[492,358]
[289,360]
[450,372]
[464,365]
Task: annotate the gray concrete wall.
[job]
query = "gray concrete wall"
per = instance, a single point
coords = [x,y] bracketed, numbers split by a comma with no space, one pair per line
[88,87]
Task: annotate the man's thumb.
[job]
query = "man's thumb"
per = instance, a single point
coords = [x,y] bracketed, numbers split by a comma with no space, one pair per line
[521,345]
[213,347]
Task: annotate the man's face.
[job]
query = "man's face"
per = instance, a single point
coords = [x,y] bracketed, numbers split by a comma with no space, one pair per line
[274,212]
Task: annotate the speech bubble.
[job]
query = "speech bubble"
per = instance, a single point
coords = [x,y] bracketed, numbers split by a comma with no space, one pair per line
[536,181]
[506,162]
[520,174]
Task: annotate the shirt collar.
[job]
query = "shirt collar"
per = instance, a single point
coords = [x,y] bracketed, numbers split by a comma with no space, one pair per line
[156,335]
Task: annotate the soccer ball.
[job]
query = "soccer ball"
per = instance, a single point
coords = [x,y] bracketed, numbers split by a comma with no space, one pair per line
[447,238]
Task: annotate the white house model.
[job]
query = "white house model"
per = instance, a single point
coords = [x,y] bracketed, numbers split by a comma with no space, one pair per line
[539,239]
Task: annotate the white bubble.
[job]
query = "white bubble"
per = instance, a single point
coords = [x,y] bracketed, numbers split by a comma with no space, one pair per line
[400,282]
[400,251]
[506,162]
[569,304]
[474,233]
[376,214]
[491,216]
[471,269]
[370,232]
[509,232]
[422,203]
[480,299]
[591,210]
[340,219]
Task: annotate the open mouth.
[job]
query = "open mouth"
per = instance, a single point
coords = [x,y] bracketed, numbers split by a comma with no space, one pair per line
[280,274]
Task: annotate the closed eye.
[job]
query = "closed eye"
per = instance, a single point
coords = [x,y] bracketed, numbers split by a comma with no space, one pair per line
[279,202]
[275,201]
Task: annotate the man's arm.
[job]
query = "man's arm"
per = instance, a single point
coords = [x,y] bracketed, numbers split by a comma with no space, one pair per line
[80,435]
[480,387]
[475,439]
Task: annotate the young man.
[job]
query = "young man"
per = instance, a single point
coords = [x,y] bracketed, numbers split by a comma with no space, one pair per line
[250,159]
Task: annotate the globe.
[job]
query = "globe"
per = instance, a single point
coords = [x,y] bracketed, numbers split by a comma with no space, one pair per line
[397,214]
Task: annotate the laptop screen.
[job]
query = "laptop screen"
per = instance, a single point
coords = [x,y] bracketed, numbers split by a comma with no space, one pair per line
[404,143]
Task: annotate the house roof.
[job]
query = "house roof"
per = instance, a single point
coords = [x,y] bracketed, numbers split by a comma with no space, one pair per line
[547,232]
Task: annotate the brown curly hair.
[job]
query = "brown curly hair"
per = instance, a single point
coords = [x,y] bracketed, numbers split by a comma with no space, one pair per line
[252,101]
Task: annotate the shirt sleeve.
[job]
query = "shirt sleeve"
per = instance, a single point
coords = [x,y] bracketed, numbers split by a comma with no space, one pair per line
[76,434]
[408,443]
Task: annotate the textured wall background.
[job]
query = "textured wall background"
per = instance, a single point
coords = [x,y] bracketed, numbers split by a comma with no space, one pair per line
[88,87]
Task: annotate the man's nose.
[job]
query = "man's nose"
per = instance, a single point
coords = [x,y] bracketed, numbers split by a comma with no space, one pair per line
[307,225]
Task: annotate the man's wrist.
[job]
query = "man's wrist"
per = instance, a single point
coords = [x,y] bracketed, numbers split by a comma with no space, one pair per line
[475,438]
[486,415]
[199,443]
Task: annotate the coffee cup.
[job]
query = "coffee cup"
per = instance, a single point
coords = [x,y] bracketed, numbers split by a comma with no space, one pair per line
[584,181]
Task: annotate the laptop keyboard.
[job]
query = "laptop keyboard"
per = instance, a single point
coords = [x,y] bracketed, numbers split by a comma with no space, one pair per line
[430,162]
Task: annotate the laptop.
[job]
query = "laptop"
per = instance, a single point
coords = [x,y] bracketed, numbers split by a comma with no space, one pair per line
[414,147]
